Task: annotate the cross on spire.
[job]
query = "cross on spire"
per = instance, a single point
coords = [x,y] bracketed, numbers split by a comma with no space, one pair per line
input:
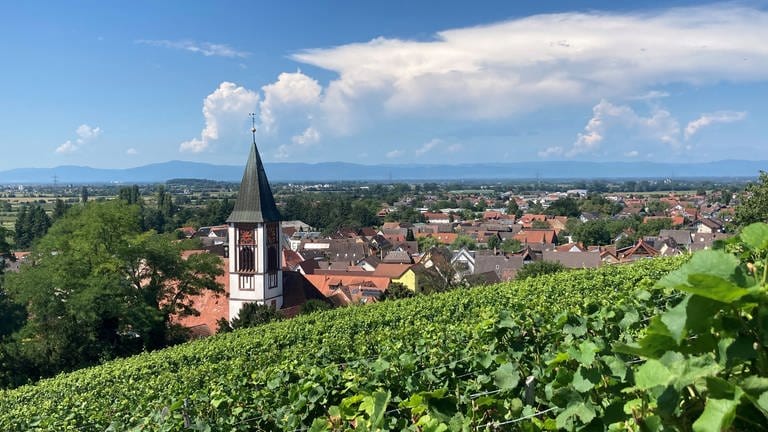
[253,125]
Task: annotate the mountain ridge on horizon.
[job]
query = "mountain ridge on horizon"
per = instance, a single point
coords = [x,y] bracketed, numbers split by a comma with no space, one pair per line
[350,171]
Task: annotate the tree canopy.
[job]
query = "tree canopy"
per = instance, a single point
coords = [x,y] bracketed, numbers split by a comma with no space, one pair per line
[96,287]
[564,207]
[539,268]
[5,247]
[754,204]
[254,314]
[31,224]
[592,233]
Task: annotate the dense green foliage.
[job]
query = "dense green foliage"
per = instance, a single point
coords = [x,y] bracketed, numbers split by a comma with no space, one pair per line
[254,314]
[539,268]
[31,224]
[454,359]
[330,212]
[396,291]
[96,287]
[564,207]
[604,231]
[707,358]
[754,207]
[464,241]
[5,247]
[314,305]
[594,232]
[597,204]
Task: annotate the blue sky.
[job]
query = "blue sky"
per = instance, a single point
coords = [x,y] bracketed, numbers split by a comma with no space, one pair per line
[120,85]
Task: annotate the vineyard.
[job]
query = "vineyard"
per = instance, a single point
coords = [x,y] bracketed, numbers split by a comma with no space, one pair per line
[603,349]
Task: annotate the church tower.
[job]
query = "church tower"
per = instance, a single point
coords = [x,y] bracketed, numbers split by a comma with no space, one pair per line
[255,273]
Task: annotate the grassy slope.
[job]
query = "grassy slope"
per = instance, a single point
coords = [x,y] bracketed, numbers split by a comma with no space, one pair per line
[126,391]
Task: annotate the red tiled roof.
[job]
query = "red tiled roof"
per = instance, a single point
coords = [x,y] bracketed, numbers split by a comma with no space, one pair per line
[535,236]
[568,246]
[640,248]
[395,238]
[212,306]
[436,216]
[291,259]
[492,214]
[392,271]
[443,238]
[328,284]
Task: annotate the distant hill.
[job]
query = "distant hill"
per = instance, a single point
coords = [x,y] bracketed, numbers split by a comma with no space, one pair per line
[343,171]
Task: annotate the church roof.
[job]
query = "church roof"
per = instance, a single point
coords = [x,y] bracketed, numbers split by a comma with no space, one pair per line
[255,203]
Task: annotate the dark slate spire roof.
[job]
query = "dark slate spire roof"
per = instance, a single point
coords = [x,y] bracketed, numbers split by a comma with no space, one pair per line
[255,202]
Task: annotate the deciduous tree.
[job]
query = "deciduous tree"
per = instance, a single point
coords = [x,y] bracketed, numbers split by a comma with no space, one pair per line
[254,314]
[96,287]
[754,204]
[539,268]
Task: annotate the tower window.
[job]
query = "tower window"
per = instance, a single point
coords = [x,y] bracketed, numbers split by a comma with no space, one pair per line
[273,261]
[246,259]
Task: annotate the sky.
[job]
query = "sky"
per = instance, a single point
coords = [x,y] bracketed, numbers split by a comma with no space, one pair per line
[117,85]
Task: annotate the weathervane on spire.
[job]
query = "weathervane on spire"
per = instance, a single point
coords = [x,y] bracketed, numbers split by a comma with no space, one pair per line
[253,125]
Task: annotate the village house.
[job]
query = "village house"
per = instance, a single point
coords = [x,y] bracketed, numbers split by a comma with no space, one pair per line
[437,218]
[576,259]
[398,273]
[708,226]
[639,250]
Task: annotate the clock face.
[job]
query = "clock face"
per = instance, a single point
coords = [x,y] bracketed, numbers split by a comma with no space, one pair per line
[246,237]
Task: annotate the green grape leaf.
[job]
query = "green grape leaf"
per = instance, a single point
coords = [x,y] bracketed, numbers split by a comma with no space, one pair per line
[582,410]
[581,384]
[707,262]
[652,374]
[714,287]
[675,320]
[717,416]
[506,376]
[755,235]
[585,353]
[375,406]
[762,402]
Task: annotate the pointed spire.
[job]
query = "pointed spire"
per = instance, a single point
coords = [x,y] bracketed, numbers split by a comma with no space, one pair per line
[255,203]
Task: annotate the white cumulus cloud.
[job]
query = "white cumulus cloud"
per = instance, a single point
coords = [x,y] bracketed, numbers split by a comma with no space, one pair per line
[223,110]
[85,134]
[659,126]
[67,147]
[501,69]
[308,137]
[712,118]
[290,92]
[428,146]
[394,154]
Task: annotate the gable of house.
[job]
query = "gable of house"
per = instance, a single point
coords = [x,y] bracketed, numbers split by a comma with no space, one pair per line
[534,236]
